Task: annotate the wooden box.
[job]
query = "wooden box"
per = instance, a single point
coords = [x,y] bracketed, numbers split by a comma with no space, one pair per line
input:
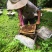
[28,30]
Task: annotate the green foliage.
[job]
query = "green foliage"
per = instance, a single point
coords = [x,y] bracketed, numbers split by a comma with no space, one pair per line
[34,1]
[3,3]
[9,27]
[14,46]
[41,2]
[46,19]
[44,3]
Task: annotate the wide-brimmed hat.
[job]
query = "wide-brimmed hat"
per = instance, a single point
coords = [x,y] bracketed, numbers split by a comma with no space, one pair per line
[16,4]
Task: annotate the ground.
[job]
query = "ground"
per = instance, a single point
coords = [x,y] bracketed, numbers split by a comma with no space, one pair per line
[9,27]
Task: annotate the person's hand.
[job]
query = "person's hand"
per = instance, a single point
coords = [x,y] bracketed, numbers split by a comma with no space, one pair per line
[37,22]
[22,26]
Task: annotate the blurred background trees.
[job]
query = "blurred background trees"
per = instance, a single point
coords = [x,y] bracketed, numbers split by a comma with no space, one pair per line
[42,3]
[34,1]
[3,3]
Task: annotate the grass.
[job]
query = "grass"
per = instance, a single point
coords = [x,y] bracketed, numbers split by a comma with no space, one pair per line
[9,27]
[46,19]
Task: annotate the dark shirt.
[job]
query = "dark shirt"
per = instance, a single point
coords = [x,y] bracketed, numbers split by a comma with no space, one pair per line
[29,10]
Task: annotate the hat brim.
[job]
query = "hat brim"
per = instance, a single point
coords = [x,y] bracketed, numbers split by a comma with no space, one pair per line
[20,4]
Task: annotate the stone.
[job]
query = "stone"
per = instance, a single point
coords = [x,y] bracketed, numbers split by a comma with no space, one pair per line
[44,33]
[1,12]
[26,40]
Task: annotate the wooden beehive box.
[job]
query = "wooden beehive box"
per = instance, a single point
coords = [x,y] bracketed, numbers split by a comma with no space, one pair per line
[28,30]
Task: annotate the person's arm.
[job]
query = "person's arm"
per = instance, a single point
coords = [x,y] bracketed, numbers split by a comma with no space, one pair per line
[20,17]
[39,15]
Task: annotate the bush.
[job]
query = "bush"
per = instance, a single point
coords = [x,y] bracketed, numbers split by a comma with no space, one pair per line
[44,3]
[3,3]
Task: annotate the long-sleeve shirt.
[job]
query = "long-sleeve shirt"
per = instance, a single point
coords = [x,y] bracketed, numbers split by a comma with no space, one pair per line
[29,10]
